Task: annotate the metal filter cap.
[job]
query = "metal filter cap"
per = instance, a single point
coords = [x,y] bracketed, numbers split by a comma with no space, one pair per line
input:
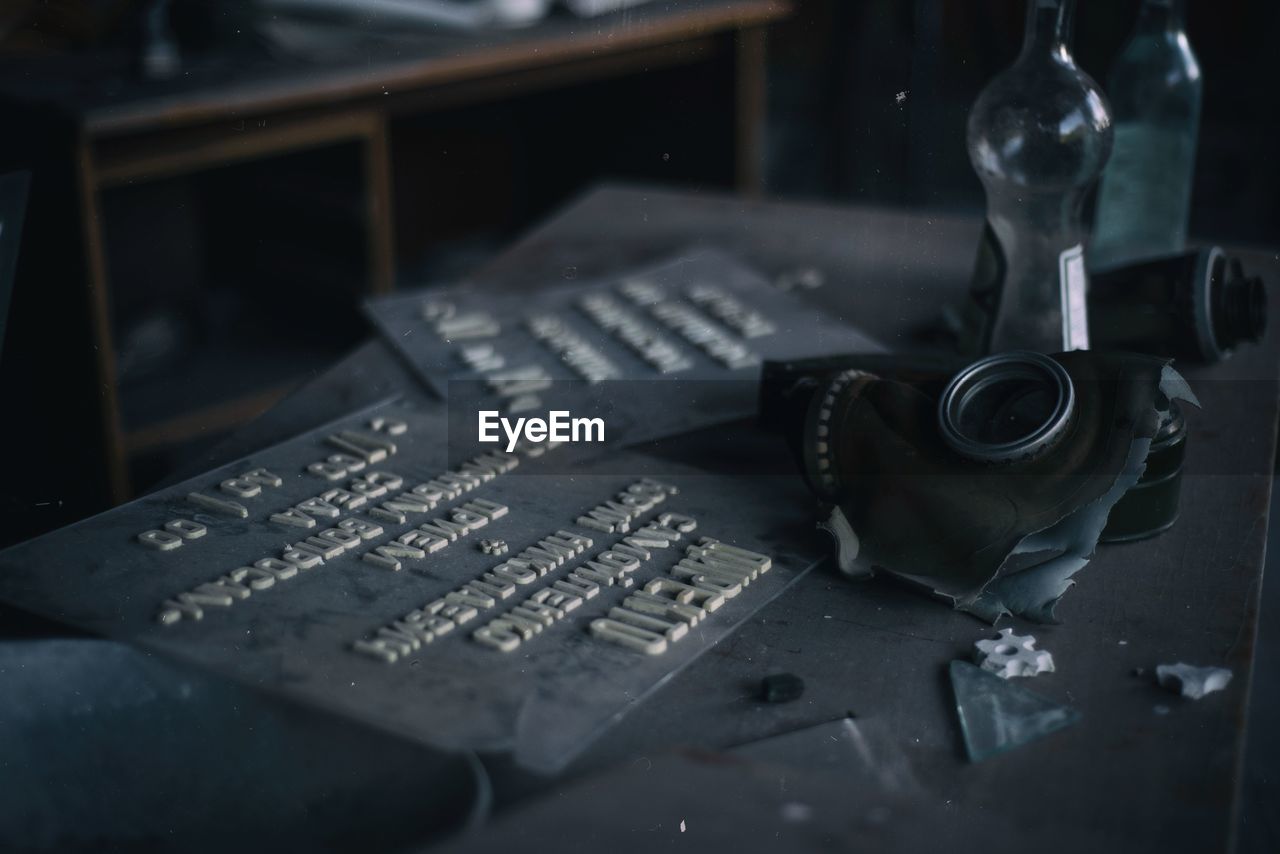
[1151,505]
[1006,407]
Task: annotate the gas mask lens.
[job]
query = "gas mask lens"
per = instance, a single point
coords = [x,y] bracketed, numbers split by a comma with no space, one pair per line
[1006,407]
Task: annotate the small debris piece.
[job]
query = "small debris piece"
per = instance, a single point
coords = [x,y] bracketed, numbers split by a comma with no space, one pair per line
[800,278]
[997,715]
[493,547]
[1190,681]
[781,688]
[1012,655]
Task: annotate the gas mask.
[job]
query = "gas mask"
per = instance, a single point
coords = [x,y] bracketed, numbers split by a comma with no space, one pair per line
[988,484]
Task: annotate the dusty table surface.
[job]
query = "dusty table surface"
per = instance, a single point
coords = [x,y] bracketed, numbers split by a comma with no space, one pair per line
[1143,770]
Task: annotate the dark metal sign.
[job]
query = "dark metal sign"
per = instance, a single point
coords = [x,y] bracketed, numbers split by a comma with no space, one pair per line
[701,322]
[468,604]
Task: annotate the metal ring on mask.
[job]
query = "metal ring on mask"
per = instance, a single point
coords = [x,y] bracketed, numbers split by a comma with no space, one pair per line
[824,416]
[988,391]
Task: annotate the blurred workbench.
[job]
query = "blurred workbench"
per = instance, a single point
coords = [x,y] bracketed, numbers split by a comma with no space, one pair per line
[148,194]
[1144,770]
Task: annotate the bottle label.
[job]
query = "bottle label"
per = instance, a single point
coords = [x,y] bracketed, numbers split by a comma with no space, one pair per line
[1075,310]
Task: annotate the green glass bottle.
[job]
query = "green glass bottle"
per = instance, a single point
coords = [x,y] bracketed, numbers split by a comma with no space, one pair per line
[1145,196]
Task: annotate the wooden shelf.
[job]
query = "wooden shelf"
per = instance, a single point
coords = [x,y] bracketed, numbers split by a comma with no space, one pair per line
[97,129]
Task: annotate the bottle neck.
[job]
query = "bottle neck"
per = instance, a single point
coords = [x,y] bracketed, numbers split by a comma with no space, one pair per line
[1049,26]
[1161,16]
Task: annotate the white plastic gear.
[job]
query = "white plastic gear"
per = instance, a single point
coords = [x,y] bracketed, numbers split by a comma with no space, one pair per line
[1012,655]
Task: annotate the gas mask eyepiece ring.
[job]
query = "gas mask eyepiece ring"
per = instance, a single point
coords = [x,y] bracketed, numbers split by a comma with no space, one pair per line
[1006,407]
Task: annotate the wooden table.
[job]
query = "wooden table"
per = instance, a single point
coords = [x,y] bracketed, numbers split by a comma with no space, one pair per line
[1143,771]
[89,128]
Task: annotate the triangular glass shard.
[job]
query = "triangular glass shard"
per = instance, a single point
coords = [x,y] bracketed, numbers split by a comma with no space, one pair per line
[997,715]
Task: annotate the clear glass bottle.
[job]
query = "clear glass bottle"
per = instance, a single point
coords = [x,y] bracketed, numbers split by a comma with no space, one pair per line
[1039,135]
[1145,196]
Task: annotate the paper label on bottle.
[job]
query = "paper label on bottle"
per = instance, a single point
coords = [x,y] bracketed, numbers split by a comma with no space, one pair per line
[1075,311]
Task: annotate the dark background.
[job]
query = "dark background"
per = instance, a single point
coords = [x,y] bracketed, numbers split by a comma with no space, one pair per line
[836,130]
